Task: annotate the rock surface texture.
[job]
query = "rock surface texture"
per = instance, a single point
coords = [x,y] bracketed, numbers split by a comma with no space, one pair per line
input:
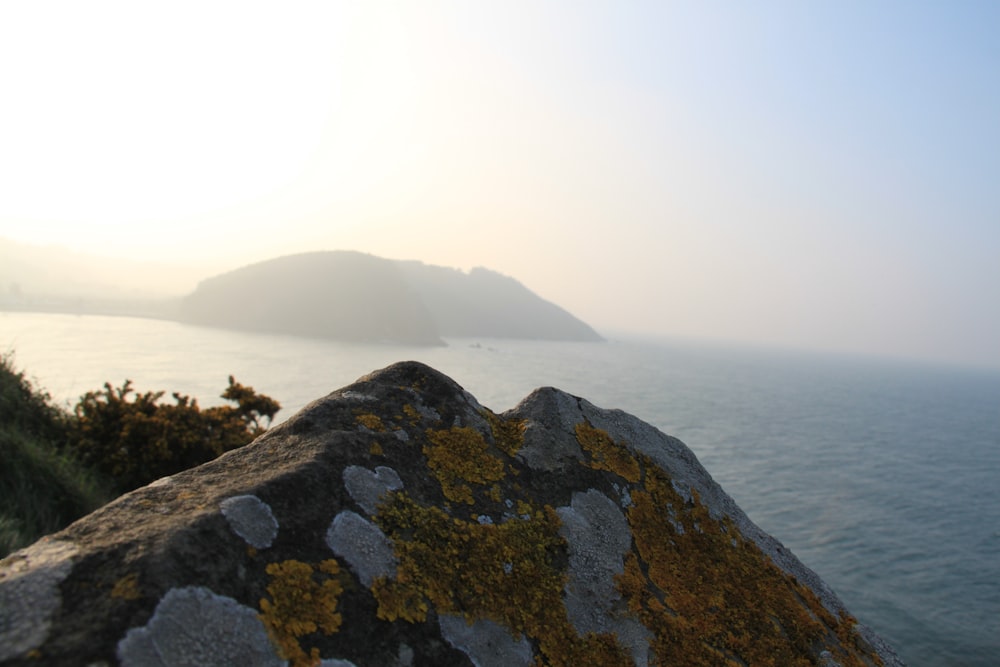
[398,522]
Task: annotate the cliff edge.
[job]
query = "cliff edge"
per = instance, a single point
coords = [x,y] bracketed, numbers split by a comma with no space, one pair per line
[399,522]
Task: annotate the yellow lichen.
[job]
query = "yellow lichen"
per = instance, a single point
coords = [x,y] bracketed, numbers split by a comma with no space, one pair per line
[606,454]
[412,413]
[508,434]
[711,597]
[302,601]
[398,600]
[126,588]
[375,449]
[504,572]
[707,595]
[458,457]
[371,421]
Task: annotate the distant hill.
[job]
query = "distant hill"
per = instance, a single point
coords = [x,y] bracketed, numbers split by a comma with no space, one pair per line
[359,297]
[488,304]
[342,295]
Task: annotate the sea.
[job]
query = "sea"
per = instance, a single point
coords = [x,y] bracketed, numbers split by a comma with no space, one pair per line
[882,476]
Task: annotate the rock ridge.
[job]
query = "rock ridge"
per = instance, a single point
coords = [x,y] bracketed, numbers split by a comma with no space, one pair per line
[397,521]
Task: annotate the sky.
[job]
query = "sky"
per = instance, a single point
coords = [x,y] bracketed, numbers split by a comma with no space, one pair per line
[821,175]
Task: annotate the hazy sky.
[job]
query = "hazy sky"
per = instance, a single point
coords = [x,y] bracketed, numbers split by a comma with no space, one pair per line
[818,174]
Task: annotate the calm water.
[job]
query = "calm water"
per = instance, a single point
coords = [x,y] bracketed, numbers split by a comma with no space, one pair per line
[882,477]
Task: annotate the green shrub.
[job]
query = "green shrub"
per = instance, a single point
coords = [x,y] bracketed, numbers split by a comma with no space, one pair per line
[27,409]
[56,467]
[137,441]
[42,489]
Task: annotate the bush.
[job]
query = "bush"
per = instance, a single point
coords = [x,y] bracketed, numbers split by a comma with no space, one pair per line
[135,442]
[57,466]
[42,489]
[27,409]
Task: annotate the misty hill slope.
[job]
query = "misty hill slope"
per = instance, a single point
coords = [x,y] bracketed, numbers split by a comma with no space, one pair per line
[398,522]
[359,297]
[342,295]
[486,303]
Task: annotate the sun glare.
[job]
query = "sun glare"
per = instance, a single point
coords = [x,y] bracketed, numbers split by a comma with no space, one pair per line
[128,112]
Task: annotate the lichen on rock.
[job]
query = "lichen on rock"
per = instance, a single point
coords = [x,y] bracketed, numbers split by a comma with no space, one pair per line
[487,643]
[301,600]
[29,594]
[598,539]
[459,458]
[507,573]
[367,487]
[363,545]
[194,626]
[252,519]
[418,527]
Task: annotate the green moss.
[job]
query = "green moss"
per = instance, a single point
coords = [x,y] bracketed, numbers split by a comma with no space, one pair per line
[459,457]
[506,572]
[303,600]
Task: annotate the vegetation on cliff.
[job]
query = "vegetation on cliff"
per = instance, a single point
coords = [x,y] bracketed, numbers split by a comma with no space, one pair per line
[137,441]
[43,486]
[59,466]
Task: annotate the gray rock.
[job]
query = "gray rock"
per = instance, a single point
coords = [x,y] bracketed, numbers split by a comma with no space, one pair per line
[30,596]
[251,519]
[367,488]
[486,643]
[189,569]
[365,548]
[194,626]
[598,537]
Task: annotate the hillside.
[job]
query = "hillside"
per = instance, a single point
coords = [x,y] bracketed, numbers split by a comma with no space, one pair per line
[358,297]
[486,303]
[343,295]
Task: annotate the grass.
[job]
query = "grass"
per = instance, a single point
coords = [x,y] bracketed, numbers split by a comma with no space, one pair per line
[42,487]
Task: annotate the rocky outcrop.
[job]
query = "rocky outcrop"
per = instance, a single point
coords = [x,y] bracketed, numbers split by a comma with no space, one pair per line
[398,522]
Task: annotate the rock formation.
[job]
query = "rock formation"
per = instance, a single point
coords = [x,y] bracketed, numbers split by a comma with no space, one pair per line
[398,522]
